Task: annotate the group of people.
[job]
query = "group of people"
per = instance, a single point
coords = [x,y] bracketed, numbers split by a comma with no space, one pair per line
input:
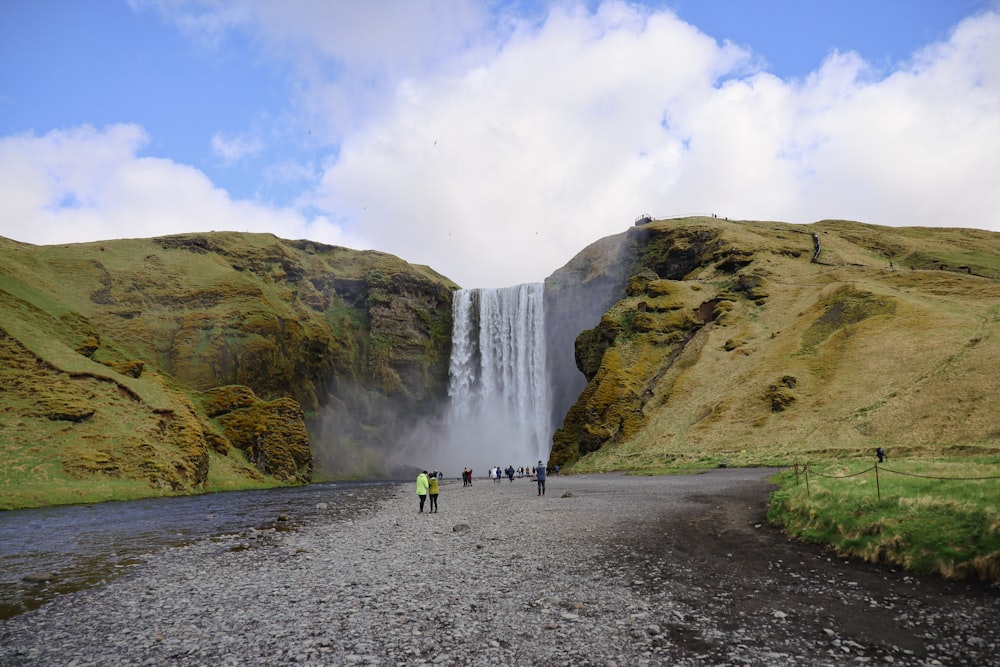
[497,473]
[428,484]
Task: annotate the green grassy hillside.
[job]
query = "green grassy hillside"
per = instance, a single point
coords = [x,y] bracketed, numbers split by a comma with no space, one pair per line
[730,344]
[199,362]
[735,343]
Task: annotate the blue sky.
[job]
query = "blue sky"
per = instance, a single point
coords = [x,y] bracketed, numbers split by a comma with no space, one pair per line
[491,140]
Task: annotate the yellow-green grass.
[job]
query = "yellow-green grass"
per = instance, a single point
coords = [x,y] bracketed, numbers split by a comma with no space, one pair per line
[36,476]
[235,473]
[926,515]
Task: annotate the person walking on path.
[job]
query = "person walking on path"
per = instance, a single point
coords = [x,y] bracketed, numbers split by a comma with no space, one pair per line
[540,478]
[433,491]
[422,485]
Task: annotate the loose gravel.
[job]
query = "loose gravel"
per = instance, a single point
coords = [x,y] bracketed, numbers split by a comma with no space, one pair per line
[603,570]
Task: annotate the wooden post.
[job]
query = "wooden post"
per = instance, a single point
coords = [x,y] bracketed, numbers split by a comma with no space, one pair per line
[878,487]
[805,469]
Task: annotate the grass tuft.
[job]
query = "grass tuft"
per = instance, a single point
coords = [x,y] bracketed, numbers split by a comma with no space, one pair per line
[943,526]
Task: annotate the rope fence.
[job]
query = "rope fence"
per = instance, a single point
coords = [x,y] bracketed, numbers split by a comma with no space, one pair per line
[877,468]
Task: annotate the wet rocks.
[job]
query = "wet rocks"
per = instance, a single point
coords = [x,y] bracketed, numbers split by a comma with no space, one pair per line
[598,573]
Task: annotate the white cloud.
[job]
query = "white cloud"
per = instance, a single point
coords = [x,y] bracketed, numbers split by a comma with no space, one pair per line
[236,148]
[346,55]
[503,173]
[499,175]
[85,184]
[494,150]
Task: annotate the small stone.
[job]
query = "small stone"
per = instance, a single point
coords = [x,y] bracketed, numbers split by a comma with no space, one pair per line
[779,615]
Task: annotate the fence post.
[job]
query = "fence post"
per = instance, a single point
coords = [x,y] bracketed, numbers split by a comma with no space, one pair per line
[805,469]
[878,487]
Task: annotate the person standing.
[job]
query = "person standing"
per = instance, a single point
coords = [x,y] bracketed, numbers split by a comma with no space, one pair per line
[422,485]
[540,478]
[432,489]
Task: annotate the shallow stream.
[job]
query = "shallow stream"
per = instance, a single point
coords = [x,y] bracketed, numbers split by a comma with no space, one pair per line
[53,550]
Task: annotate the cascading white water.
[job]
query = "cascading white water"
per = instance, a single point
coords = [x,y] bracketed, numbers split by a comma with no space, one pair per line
[500,412]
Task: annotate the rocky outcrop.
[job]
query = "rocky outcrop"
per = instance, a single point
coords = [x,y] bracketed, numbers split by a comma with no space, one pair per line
[728,341]
[215,357]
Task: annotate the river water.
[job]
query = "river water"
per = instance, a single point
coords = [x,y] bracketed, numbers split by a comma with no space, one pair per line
[78,546]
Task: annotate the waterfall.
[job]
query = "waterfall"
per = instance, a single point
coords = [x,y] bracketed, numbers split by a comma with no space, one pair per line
[498,385]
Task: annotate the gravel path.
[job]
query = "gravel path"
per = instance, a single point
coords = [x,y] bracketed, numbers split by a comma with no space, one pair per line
[604,570]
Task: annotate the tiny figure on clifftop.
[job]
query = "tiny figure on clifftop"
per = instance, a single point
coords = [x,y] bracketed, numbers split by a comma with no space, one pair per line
[422,485]
[880,453]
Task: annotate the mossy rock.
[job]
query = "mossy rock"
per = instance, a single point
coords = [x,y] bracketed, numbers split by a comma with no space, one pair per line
[223,400]
[132,369]
[88,346]
[754,286]
[64,406]
[732,344]
[779,394]
[218,443]
[644,323]
[640,282]
[274,438]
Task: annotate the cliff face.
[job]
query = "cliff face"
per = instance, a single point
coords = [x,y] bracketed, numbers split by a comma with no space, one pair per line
[224,360]
[727,341]
[207,361]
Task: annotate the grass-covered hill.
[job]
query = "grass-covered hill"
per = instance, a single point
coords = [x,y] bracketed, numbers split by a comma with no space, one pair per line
[739,342]
[200,362]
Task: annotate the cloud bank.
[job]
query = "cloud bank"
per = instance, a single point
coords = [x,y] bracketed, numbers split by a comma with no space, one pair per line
[495,147]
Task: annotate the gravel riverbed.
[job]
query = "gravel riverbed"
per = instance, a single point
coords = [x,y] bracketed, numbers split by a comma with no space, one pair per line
[603,570]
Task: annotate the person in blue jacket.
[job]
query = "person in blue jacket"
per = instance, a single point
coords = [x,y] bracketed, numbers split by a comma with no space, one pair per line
[540,478]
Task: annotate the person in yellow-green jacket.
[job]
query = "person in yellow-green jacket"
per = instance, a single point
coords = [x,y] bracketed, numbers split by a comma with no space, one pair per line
[422,485]
[433,490]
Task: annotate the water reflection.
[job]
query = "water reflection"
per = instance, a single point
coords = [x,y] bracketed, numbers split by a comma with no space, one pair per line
[53,550]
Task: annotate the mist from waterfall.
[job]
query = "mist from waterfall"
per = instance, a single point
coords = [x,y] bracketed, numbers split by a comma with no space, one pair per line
[499,412]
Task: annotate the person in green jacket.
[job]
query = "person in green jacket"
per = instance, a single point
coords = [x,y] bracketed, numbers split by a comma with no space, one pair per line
[433,491]
[422,485]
